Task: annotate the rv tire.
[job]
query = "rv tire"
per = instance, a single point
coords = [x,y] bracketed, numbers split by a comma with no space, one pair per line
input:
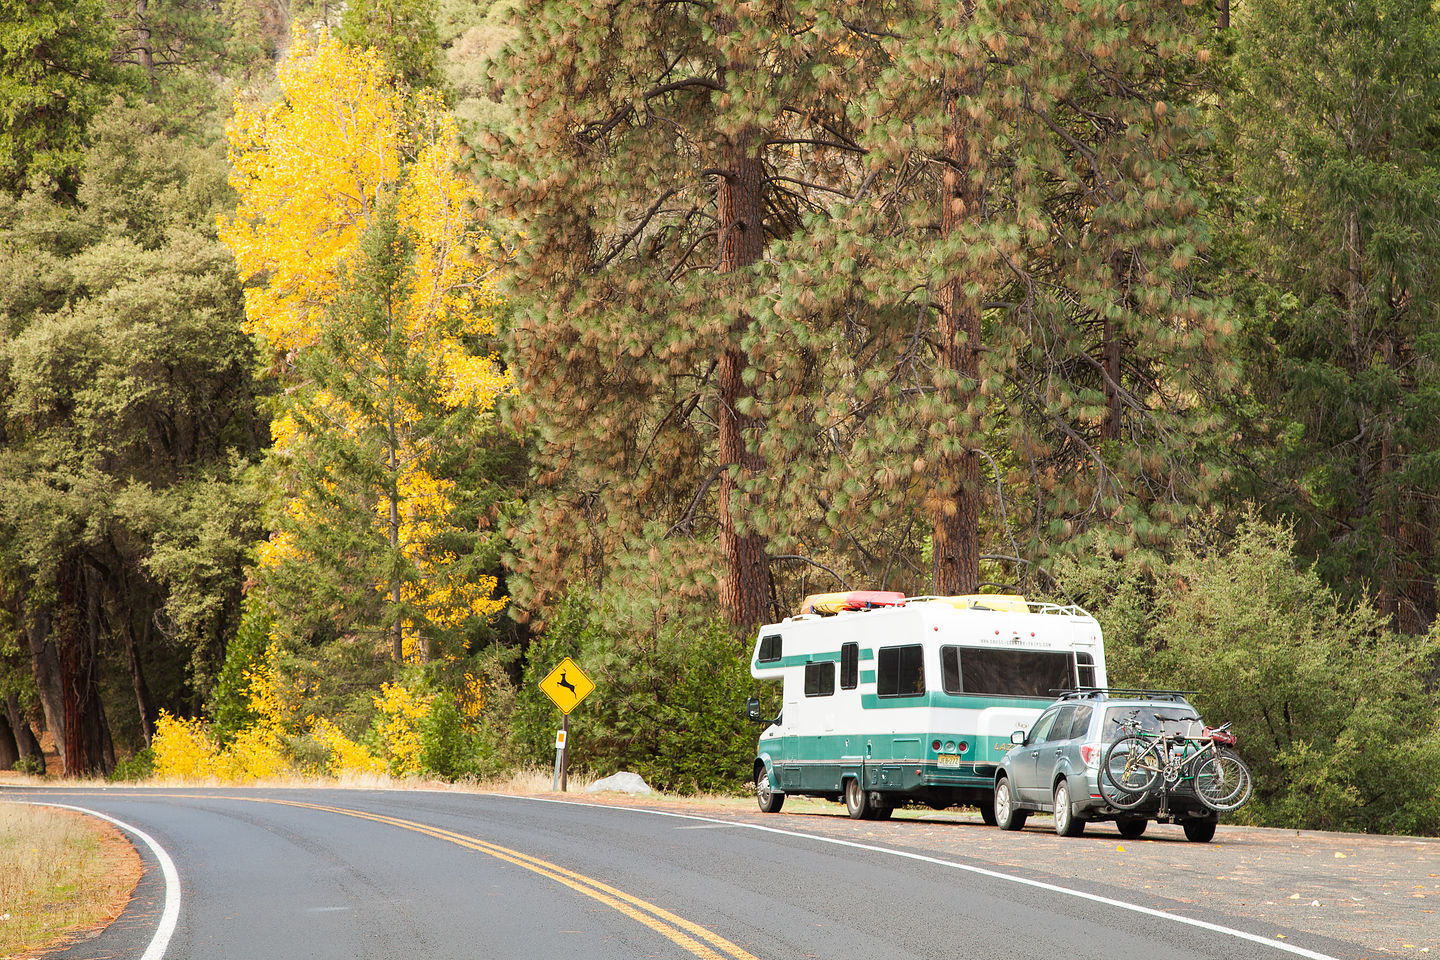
[857,800]
[769,800]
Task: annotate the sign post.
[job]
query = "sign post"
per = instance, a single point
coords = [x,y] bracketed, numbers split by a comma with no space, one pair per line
[566,686]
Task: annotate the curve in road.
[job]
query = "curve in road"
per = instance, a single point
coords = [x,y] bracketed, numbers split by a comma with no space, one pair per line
[262,883]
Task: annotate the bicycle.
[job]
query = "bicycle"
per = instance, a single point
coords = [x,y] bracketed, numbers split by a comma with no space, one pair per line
[1137,762]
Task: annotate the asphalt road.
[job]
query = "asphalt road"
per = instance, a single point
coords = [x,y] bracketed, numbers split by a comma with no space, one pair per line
[320,874]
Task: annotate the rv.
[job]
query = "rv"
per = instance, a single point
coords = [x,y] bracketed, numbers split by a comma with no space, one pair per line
[888,700]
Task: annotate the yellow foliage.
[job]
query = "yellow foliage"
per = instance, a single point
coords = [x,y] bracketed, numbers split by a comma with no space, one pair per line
[308,168]
[345,755]
[401,711]
[311,170]
[472,696]
[182,749]
[255,754]
[267,700]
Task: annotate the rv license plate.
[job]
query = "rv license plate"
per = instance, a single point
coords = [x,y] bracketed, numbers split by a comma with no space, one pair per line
[949,760]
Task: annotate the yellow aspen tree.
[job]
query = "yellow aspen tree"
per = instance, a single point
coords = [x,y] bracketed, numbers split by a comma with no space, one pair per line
[369,283]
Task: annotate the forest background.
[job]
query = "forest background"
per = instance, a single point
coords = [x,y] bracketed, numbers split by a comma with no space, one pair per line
[360,361]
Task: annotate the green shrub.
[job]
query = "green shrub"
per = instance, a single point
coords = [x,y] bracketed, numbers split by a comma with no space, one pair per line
[668,701]
[229,705]
[141,766]
[449,749]
[30,764]
[1334,711]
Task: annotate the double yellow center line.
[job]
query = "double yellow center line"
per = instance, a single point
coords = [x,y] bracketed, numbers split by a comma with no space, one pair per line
[696,939]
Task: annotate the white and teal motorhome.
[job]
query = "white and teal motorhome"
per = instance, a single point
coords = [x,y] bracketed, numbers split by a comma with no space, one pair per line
[911,700]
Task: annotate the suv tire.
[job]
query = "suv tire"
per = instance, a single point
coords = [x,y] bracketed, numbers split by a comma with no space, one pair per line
[1132,827]
[1200,831]
[1066,823]
[1006,816]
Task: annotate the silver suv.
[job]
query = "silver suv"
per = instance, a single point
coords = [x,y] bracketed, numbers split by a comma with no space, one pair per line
[1055,766]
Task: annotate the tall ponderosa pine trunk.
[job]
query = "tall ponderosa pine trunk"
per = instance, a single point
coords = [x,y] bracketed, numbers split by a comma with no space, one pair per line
[744,587]
[955,504]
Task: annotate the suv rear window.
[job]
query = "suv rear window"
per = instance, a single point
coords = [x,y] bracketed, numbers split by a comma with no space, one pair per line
[1178,719]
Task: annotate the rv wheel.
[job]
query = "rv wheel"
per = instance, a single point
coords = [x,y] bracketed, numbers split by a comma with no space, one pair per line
[770,801]
[857,801]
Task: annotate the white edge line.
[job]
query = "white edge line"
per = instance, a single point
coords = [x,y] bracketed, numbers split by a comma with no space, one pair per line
[171,915]
[981,871]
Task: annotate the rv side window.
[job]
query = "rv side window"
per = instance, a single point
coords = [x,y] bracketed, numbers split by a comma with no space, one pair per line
[769,648]
[820,679]
[950,669]
[849,666]
[901,671]
[1085,669]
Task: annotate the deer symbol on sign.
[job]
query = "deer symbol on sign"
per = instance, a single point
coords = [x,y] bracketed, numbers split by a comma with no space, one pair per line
[567,684]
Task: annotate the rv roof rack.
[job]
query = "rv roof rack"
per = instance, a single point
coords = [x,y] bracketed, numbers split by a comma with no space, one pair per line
[1136,693]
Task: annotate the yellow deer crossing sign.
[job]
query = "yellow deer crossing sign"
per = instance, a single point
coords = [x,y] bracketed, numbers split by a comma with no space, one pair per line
[567,685]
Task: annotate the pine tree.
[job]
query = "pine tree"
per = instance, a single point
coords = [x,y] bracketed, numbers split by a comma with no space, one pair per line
[657,152]
[403,31]
[1338,154]
[1016,290]
[55,72]
[377,539]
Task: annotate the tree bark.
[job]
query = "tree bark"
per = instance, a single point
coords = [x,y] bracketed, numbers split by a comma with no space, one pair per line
[143,700]
[25,740]
[144,43]
[955,499]
[9,749]
[45,668]
[87,748]
[744,587]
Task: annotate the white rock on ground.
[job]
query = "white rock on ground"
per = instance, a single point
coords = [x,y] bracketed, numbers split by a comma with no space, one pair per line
[621,782]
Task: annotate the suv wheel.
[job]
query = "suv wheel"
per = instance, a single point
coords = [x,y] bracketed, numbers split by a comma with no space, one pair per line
[1006,816]
[1200,831]
[1131,827]
[1066,823]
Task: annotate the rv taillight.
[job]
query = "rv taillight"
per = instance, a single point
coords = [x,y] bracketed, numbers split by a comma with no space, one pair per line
[1090,753]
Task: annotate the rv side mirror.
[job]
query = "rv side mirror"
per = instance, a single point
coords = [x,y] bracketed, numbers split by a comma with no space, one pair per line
[1018,737]
[752,710]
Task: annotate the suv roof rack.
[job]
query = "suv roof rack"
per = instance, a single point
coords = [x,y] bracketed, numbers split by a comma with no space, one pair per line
[1128,693]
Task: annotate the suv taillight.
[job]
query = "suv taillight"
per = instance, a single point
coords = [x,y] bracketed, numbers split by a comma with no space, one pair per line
[1090,753]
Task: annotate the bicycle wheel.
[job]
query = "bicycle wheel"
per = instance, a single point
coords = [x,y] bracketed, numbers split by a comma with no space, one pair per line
[1222,781]
[1132,765]
[1121,799]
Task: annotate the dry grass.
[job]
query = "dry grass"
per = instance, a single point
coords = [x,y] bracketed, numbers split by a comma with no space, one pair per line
[64,873]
